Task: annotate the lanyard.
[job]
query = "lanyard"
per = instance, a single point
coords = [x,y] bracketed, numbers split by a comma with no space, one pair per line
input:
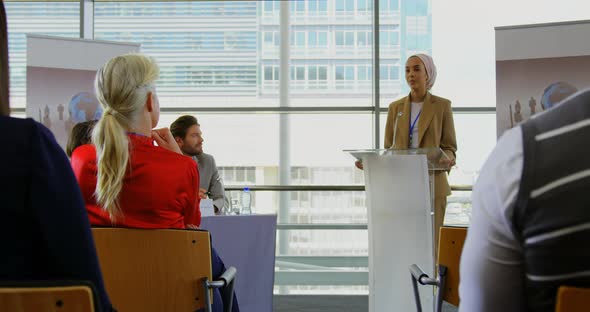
[413,125]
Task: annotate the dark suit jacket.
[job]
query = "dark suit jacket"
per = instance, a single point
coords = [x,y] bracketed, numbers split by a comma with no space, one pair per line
[435,129]
[45,234]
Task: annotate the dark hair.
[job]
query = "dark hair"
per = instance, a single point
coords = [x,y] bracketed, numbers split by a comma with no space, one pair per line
[4,74]
[81,134]
[180,126]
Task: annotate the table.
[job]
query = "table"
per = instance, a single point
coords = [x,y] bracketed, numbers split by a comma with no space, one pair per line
[247,242]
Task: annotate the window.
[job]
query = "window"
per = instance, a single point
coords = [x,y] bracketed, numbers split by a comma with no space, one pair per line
[312,73]
[364,72]
[317,76]
[235,63]
[345,6]
[297,7]
[389,72]
[389,38]
[344,38]
[271,39]
[297,72]
[388,6]
[317,39]
[209,53]
[345,72]
[364,38]
[364,7]
[271,72]
[300,38]
[322,72]
[55,18]
[317,7]
[271,7]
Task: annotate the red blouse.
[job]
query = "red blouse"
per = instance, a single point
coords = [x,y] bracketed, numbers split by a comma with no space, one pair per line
[160,188]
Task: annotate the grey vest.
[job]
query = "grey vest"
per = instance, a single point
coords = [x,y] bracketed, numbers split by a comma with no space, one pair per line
[552,212]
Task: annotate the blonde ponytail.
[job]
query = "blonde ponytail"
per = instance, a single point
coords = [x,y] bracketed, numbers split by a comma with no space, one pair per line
[122,87]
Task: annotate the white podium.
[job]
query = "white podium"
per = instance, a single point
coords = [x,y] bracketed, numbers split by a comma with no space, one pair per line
[399,186]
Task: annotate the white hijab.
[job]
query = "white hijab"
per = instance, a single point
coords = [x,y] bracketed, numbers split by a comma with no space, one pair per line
[429,67]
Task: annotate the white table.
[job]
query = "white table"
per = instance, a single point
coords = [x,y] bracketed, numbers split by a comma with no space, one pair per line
[247,242]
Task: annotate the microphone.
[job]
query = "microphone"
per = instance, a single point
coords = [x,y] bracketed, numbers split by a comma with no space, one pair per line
[395,129]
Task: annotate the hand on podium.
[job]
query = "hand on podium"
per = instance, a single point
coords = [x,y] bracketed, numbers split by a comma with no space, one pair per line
[447,162]
[359,164]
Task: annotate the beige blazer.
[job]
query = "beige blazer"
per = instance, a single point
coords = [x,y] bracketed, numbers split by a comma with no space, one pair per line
[435,129]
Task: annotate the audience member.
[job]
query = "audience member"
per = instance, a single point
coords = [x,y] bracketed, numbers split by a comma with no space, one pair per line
[81,134]
[187,133]
[530,224]
[46,235]
[126,180]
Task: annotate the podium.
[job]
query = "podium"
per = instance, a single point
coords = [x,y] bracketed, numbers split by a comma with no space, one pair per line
[399,186]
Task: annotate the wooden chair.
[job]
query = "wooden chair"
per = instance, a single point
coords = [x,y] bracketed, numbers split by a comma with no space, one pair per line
[158,270]
[450,246]
[572,299]
[50,296]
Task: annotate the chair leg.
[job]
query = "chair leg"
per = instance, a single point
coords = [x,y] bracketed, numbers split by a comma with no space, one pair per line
[228,296]
[416,294]
[442,278]
[207,295]
[418,276]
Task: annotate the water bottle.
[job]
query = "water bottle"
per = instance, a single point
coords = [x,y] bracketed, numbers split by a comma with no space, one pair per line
[246,199]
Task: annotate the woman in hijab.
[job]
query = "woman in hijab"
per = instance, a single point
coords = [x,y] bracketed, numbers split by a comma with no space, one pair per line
[423,120]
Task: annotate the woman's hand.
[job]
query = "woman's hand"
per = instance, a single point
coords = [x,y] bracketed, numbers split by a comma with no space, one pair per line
[202,193]
[447,162]
[192,227]
[165,139]
[359,164]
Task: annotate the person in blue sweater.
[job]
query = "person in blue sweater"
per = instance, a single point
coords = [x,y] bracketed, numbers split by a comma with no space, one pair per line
[45,235]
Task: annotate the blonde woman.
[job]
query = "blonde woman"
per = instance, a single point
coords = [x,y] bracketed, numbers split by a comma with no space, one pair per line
[127,180]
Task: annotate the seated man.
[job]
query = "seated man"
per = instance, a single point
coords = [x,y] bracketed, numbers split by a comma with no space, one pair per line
[530,223]
[187,133]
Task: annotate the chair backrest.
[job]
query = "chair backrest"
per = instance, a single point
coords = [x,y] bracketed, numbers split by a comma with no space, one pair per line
[47,299]
[450,246]
[572,299]
[154,270]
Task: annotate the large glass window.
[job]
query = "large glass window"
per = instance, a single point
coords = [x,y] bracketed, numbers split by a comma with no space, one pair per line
[227,54]
[217,61]
[220,54]
[47,18]
[317,7]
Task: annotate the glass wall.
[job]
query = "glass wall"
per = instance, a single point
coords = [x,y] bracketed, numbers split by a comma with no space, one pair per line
[227,54]
[46,18]
[221,61]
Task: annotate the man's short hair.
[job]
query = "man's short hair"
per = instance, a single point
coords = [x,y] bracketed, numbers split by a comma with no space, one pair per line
[180,126]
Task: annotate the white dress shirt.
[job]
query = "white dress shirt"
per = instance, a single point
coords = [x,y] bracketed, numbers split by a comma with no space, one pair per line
[492,271]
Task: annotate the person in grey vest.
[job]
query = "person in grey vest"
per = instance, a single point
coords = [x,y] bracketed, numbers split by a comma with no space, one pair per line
[187,133]
[530,225]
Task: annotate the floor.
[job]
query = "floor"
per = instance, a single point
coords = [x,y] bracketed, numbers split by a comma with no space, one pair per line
[328,303]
